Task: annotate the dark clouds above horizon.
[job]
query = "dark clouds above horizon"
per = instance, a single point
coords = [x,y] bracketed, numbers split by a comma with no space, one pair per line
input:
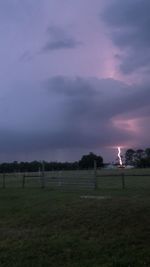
[72,113]
[59,39]
[62,94]
[129,23]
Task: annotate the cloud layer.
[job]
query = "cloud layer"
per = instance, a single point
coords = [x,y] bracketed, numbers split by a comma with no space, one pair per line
[59,39]
[74,113]
[129,24]
[49,51]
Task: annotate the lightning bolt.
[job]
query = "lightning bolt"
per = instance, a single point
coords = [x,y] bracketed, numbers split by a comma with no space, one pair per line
[119,156]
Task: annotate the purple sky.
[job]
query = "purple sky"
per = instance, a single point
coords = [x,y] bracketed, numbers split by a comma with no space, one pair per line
[74,78]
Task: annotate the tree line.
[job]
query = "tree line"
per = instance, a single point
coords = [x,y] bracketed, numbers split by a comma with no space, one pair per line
[139,158]
[86,162]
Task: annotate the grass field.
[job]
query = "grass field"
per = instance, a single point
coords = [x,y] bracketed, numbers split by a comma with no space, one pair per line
[47,227]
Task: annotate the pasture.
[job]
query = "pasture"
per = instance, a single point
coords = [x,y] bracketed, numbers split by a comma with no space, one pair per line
[58,226]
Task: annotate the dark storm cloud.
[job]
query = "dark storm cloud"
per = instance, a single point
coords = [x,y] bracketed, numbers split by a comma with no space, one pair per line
[89,109]
[70,87]
[100,98]
[58,39]
[70,113]
[129,22]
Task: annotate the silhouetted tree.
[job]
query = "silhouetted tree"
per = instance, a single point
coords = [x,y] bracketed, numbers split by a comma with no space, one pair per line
[147,152]
[87,161]
[129,157]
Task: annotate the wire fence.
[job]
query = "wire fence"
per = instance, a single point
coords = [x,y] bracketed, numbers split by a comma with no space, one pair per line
[54,179]
[86,179]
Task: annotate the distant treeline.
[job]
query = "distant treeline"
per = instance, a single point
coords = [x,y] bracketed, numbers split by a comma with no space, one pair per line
[86,162]
[139,158]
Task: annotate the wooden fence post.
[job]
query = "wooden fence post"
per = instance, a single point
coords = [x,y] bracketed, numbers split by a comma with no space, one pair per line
[123,181]
[43,176]
[23,181]
[60,178]
[39,171]
[4,181]
[95,176]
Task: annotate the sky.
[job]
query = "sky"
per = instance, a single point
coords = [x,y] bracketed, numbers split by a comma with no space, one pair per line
[74,78]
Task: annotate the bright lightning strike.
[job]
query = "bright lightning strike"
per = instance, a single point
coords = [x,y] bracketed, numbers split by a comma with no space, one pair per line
[119,156]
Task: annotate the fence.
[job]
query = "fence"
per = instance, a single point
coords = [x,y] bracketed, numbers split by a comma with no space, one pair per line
[88,179]
[55,179]
[123,180]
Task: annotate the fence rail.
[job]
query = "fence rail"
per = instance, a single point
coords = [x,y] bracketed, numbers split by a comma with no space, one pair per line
[57,179]
[92,179]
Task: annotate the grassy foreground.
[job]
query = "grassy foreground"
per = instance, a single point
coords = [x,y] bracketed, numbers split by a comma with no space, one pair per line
[53,228]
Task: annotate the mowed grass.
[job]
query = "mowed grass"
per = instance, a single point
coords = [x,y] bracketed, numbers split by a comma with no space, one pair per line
[45,227]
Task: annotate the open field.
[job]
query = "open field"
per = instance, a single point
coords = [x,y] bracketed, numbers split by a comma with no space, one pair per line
[47,227]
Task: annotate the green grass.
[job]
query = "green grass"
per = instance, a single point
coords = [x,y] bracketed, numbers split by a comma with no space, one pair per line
[57,228]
